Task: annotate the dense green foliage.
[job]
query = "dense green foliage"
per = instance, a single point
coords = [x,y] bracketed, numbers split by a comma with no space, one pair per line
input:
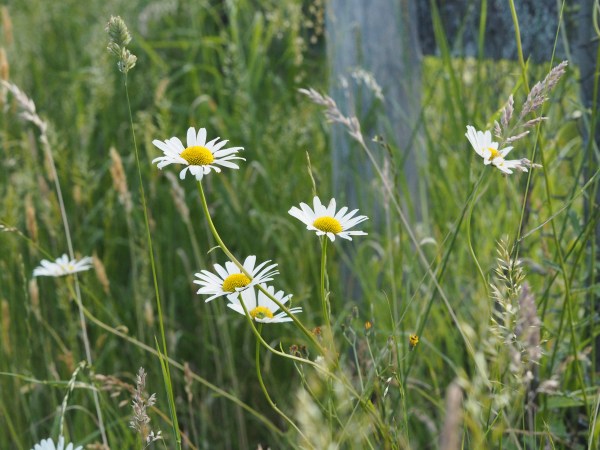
[235,69]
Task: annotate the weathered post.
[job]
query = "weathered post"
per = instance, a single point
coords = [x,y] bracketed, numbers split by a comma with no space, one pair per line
[376,37]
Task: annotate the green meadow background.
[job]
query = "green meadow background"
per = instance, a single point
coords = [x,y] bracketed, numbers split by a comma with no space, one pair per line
[235,68]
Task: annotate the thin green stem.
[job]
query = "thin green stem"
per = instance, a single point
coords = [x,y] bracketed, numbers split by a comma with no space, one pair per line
[167,380]
[568,298]
[217,390]
[441,269]
[325,307]
[264,388]
[233,259]
[366,404]
[470,242]
[84,334]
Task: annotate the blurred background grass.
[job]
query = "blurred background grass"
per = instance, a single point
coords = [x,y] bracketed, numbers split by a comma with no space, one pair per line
[234,68]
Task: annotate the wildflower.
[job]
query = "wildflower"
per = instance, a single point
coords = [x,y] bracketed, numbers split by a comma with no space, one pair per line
[62,266]
[486,148]
[260,307]
[413,340]
[230,278]
[200,157]
[48,444]
[325,221]
[368,326]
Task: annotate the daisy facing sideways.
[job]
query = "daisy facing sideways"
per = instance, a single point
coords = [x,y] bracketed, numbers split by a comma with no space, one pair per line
[48,444]
[230,279]
[488,149]
[199,157]
[326,221]
[260,307]
[62,266]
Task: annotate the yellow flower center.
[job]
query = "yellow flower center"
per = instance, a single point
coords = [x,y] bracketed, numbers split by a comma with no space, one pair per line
[237,280]
[197,156]
[328,225]
[494,153]
[261,312]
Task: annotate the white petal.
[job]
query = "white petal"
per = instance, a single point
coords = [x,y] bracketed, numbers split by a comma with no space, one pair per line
[201,138]
[191,137]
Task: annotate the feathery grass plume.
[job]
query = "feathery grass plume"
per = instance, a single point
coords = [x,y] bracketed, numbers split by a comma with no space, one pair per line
[100,272]
[140,403]
[527,329]
[538,94]
[117,173]
[27,111]
[334,115]
[4,73]
[119,37]
[7,26]
[30,221]
[516,321]
[114,386]
[360,75]
[149,314]
[312,422]
[536,98]
[450,434]
[6,328]
[34,296]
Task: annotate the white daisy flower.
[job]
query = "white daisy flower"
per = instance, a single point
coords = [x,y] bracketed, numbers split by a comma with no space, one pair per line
[62,266]
[48,444]
[260,307]
[230,278]
[488,150]
[199,157]
[325,221]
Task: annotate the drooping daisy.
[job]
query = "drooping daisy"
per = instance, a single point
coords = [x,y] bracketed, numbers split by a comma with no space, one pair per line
[199,157]
[325,221]
[48,444]
[230,278]
[62,266]
[260,307]
[488,149]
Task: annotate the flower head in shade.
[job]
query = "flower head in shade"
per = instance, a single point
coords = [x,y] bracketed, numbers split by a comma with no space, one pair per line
[62,266]
[260,307]
[229,279]
[488,149]
[326,221]
[199,156]
[48,444]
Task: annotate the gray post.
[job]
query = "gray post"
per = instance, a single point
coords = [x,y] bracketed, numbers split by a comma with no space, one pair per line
[377,37]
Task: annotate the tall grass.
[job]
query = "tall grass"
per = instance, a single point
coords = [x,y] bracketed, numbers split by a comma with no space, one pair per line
[235,68]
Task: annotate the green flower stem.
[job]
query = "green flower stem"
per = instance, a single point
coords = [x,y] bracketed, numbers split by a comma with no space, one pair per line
[364,403]
[264,388]
[329,341]
[233,259]
[439,273]
[165,355]
[217,390]
[367,405]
